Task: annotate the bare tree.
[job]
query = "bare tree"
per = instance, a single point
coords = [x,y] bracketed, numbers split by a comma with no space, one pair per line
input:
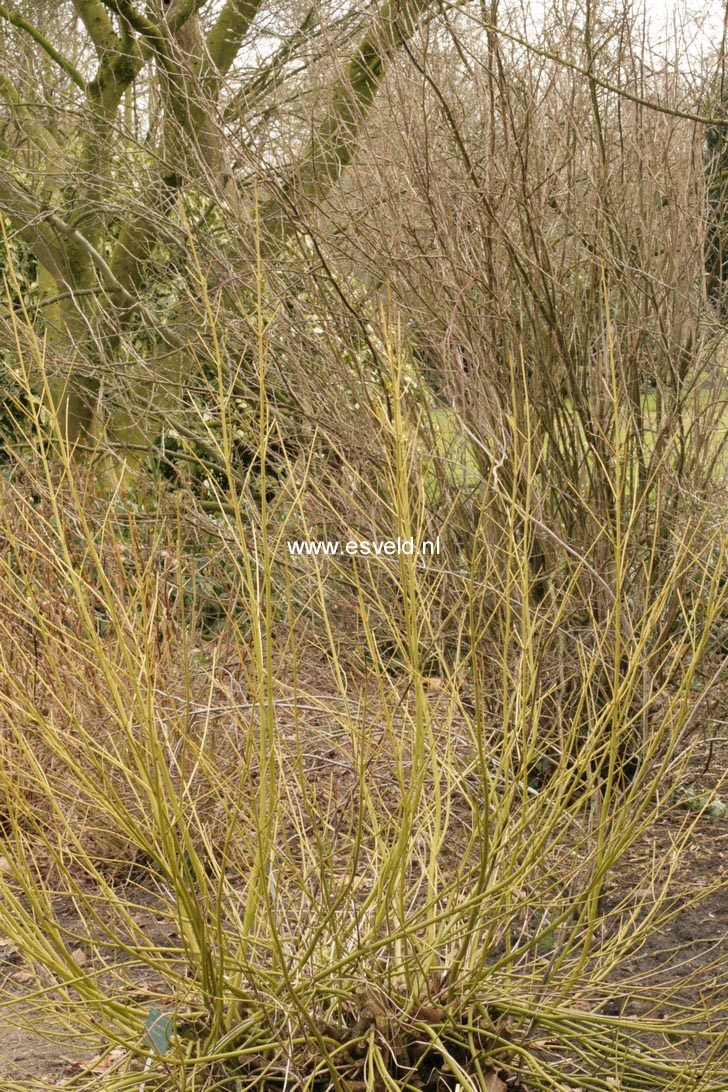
[117,127]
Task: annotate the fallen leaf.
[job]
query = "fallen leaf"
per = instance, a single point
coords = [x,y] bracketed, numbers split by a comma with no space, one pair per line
[23,978]
[99,1064]
[434,683]
[493,1083]
[79,957]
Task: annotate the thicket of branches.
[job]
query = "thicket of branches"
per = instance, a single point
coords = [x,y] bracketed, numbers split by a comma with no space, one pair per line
[535,205]
[276,272]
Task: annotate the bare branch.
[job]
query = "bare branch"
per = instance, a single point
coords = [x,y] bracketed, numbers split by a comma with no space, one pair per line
[332,146]
[39,134]
[23,212]
[181,12]
[98,24]
[40,39]
[228,34]
[268,77]
[599,81]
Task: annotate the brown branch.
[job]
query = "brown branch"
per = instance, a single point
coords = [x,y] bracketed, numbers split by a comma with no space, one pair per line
[228,34]
[40,39]
[599,81]
[333,145]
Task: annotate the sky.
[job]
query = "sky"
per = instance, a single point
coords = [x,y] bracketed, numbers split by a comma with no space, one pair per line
[697,25]
[665,18]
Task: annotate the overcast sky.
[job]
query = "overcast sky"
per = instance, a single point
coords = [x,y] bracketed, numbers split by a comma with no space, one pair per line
[698,24]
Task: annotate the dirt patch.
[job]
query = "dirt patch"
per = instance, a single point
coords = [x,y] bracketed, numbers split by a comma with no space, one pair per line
[31,1050]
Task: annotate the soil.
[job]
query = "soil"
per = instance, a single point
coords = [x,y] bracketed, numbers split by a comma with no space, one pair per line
[29,1047]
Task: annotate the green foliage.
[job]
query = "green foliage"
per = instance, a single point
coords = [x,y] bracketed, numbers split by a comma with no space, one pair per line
[451,468]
